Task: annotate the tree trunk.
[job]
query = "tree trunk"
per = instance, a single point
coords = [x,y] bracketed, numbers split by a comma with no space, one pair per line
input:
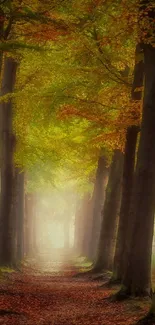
[81,216]
[137,278]
[110,214]
[7,224]
[2,15]
[128,172]
[29,225]
[66,236]
[87,228]
[34,224]
[20,214]
[97,204]
[77,226]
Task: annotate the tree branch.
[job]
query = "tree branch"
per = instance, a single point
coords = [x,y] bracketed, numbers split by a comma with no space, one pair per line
[90,102]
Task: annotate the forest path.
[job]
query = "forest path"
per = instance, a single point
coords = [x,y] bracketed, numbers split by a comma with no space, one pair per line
[37,298]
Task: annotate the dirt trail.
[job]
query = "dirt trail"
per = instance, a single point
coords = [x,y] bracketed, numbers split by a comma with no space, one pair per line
[50,299]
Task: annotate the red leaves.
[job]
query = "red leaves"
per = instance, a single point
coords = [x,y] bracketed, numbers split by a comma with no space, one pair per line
[47,33]
[69,269]
[42,32]
[41,299]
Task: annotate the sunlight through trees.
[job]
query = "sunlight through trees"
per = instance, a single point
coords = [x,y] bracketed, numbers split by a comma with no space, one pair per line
[77,130]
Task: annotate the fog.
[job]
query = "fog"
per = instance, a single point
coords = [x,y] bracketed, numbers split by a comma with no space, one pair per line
[51,235]
[54,226]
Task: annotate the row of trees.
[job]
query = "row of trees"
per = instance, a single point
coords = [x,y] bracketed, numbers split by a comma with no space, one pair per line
[77,108]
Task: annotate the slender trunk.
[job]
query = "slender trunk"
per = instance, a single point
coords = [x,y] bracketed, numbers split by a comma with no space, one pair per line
[98,202]
[35,247]
[2,15]
[20,215]
[66,229]
[110,215]
[128,172]
[137,277]
[29,225]
[7,223]
[81,216]
[76,226]
[88,228]
[66,235]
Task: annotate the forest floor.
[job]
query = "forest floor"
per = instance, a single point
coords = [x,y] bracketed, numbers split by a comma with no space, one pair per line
[50,295]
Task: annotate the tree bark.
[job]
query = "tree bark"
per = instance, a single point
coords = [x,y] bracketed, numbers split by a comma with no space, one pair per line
[7,224]
[110,214]
[137,277]
[97,204]
[20,214]
[81,216]
[29,242]
[128,172]
[87,228]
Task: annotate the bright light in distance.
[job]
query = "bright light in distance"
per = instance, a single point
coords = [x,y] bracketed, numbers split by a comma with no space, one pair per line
[53,214]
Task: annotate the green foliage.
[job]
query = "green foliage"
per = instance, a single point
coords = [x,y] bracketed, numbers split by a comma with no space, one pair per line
[6,270]
[69,99]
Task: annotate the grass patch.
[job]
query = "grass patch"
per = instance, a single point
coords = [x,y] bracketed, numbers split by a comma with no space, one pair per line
[82,263]
[6,269]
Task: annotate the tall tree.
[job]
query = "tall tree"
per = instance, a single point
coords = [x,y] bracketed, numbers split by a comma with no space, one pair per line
[110,215]
[81,219]
[29,242]
[19,210]
[7,166]
[128,168]
[97,204]
[137,277]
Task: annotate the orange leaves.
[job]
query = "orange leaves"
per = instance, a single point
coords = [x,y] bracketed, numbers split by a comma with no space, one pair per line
[48,33]
[35,22]
[131,115]
[121,114]
[91,115]
[69,269]
[113,139]
[67,110]
[41,32]
[49,299]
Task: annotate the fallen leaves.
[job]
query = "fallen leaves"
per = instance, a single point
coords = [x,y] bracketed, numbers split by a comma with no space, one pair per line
[35,298]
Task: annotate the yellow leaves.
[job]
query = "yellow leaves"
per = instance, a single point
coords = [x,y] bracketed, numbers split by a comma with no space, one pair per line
[115,97]
[78,139]
[113,140]
[131,115]
[76,68]
[67,111]
[6,98]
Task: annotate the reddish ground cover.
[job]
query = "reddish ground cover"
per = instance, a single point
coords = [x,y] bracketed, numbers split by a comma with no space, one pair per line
[49,299]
